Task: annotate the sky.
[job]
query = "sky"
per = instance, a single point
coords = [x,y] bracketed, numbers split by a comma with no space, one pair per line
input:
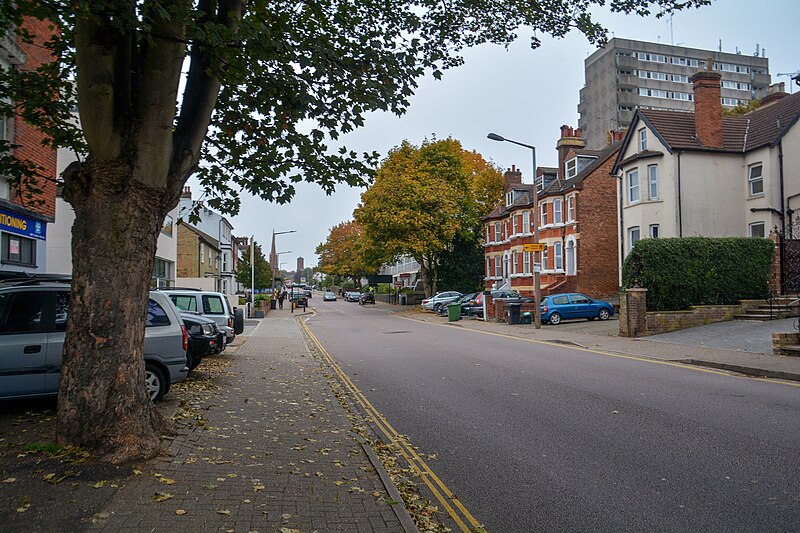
[521,94]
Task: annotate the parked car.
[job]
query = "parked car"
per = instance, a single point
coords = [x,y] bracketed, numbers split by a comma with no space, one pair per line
[440,298]
[476,304]
[558,307]
[463,302]
[366,298]
[205,338]
[352,296]
[211,305]
[329,297]
[33,323]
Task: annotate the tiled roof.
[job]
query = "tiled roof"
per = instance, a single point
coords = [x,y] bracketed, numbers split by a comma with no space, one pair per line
[742,133]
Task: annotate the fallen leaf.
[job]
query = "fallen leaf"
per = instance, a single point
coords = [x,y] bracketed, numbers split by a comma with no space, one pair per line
[180,512]
[99,484]
[162,496]
[9,480]
[223,511]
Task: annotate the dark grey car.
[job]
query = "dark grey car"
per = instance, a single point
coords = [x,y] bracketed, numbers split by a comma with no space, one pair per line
[33,321]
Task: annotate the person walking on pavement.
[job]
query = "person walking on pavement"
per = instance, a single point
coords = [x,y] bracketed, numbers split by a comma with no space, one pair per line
[281,298]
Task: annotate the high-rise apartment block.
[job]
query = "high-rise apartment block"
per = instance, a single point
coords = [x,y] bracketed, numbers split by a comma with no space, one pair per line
[627,74]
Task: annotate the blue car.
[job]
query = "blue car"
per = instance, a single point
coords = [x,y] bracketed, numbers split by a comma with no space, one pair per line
[558,307]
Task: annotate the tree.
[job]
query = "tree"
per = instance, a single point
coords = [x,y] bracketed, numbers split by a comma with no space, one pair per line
[263,271]
[266,86]
[346,253]
[423,198]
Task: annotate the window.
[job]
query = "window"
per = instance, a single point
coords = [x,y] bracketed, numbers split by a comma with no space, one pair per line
[545,258]
[732,102]
[572,167]
[655,93]
[212,305]
[488,233]
[526,221]
[62,304]
[570,256]
[652,181]
[514,222]
[224,267]
[755,179]
[680,78]
[654,231]
[498,267]
[488,268]
[514,262]
[570,208]
[497,233]
[757,229]
[166,229]
[633,237]
[18,250]
[202,253]
[633,186]
[21,312]
[526,262]
[544,214]
[557,211]
[156,316]
[558,257]
[642,140]
[184,303]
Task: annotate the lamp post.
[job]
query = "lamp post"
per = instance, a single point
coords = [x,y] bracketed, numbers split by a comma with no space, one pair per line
[537,265]
[277,268]
[273,255]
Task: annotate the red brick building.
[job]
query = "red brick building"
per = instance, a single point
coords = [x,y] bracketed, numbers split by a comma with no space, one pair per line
[577,218]
[23,221]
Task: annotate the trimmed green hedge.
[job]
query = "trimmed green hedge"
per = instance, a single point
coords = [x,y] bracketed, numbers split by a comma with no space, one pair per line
[682,272]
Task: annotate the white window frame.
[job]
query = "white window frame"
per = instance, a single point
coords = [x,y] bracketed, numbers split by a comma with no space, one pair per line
[526,221]
[514,262]
[634,236]
[652,182]
[545,257]
[526,262]
[570,208]
[498,266]
[558,215]
[571,167]
[558,256]
[544,214]
[752,181]
[755,225]
[571,256]
[202,252]
[514,223]
[633,188]
[655,231]
[643,139]
[488,267]
[498,236]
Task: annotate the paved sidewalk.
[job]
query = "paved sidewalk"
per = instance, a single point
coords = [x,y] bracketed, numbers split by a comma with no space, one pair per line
[270,450]
[750,363]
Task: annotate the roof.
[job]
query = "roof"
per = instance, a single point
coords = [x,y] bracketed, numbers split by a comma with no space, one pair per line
[214,243]
[760,127]
[602,156]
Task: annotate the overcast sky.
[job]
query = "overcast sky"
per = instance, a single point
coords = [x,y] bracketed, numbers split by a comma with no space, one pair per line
[521,94]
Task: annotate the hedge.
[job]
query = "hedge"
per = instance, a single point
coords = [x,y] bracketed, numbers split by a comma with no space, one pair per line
[681,272]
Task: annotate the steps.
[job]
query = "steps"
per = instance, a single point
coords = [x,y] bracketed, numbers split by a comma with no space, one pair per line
[780,307]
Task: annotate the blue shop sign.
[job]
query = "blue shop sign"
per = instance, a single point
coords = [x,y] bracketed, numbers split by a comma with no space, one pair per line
[22,225]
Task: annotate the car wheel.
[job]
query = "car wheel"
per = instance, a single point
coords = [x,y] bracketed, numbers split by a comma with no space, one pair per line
[194,362]
[238,321]
[155,382]
[555,319]
[603,314]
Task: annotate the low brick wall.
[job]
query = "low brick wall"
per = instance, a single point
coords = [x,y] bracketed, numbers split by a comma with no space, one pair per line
[666,321]
[501,310]
[780,340]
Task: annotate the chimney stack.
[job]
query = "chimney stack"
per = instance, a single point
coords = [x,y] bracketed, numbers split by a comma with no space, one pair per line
[571,139]
[187,192]
[513,176]
[708,107]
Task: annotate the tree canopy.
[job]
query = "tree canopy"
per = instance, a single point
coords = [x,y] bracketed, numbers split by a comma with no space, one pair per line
[263,270]
[346,253]
[424,197]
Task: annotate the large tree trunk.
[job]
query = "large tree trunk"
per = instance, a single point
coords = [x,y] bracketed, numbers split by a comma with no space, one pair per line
[103,403]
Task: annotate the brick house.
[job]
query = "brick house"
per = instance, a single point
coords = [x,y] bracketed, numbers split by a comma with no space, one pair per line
[704,173]
[23,221]
[199,257]
[577,217]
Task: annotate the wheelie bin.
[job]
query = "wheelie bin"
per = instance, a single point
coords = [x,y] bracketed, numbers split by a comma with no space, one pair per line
[453,312]
[513,313]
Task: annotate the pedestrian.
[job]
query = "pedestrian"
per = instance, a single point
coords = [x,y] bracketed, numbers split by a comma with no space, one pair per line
[281,297]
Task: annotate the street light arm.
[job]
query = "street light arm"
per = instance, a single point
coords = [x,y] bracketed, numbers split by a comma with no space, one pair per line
[496,137]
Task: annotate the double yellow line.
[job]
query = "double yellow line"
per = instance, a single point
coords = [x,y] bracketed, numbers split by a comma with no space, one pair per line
[465,521]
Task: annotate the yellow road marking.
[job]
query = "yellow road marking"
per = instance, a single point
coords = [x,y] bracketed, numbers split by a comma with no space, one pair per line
[612,354]
[433,482]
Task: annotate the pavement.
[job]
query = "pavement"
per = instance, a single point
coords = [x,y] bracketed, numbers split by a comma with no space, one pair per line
[267,448]
[738,346]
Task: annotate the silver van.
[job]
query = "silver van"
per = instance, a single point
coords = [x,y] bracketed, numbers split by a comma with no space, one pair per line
[211,305]
[33,322]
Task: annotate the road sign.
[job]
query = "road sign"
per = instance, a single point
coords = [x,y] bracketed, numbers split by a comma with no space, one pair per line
[534,247]
[398,283]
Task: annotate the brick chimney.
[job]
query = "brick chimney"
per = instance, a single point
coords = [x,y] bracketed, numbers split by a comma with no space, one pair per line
[613,136]
[187,192]
[571,139]
[708,107]
[513,176]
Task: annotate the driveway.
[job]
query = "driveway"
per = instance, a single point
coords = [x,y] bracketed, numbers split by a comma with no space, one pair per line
[741,335]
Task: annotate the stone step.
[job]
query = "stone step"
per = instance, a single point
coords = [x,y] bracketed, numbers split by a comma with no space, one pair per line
[791,349]
[754,315]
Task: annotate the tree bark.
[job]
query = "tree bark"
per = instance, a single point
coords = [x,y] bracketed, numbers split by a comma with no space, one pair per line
[102,402]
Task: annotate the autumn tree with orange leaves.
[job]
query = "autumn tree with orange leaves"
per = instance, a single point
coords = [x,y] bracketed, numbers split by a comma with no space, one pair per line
[346,254]
[426,199]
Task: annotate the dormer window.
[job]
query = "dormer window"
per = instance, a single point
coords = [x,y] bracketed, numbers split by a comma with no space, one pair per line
[571,168]
[509,198]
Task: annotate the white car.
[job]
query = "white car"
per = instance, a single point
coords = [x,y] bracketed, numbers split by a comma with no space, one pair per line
[439,299]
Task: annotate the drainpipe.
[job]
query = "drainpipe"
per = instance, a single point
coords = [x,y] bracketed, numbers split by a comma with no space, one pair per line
[783,219]
[621,230]
[680,210]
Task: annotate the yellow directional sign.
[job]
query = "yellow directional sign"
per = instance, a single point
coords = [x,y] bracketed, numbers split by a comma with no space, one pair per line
[534,247]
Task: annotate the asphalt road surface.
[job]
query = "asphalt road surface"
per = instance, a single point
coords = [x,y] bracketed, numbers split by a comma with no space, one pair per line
[537,437]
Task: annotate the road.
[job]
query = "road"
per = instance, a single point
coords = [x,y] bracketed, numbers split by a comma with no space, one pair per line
[537,437]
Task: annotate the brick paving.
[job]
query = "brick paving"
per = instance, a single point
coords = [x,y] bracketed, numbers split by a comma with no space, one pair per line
[276,452]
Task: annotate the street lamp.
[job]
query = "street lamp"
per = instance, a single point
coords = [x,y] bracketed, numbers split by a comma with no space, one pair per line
[273,256]
[537,265]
